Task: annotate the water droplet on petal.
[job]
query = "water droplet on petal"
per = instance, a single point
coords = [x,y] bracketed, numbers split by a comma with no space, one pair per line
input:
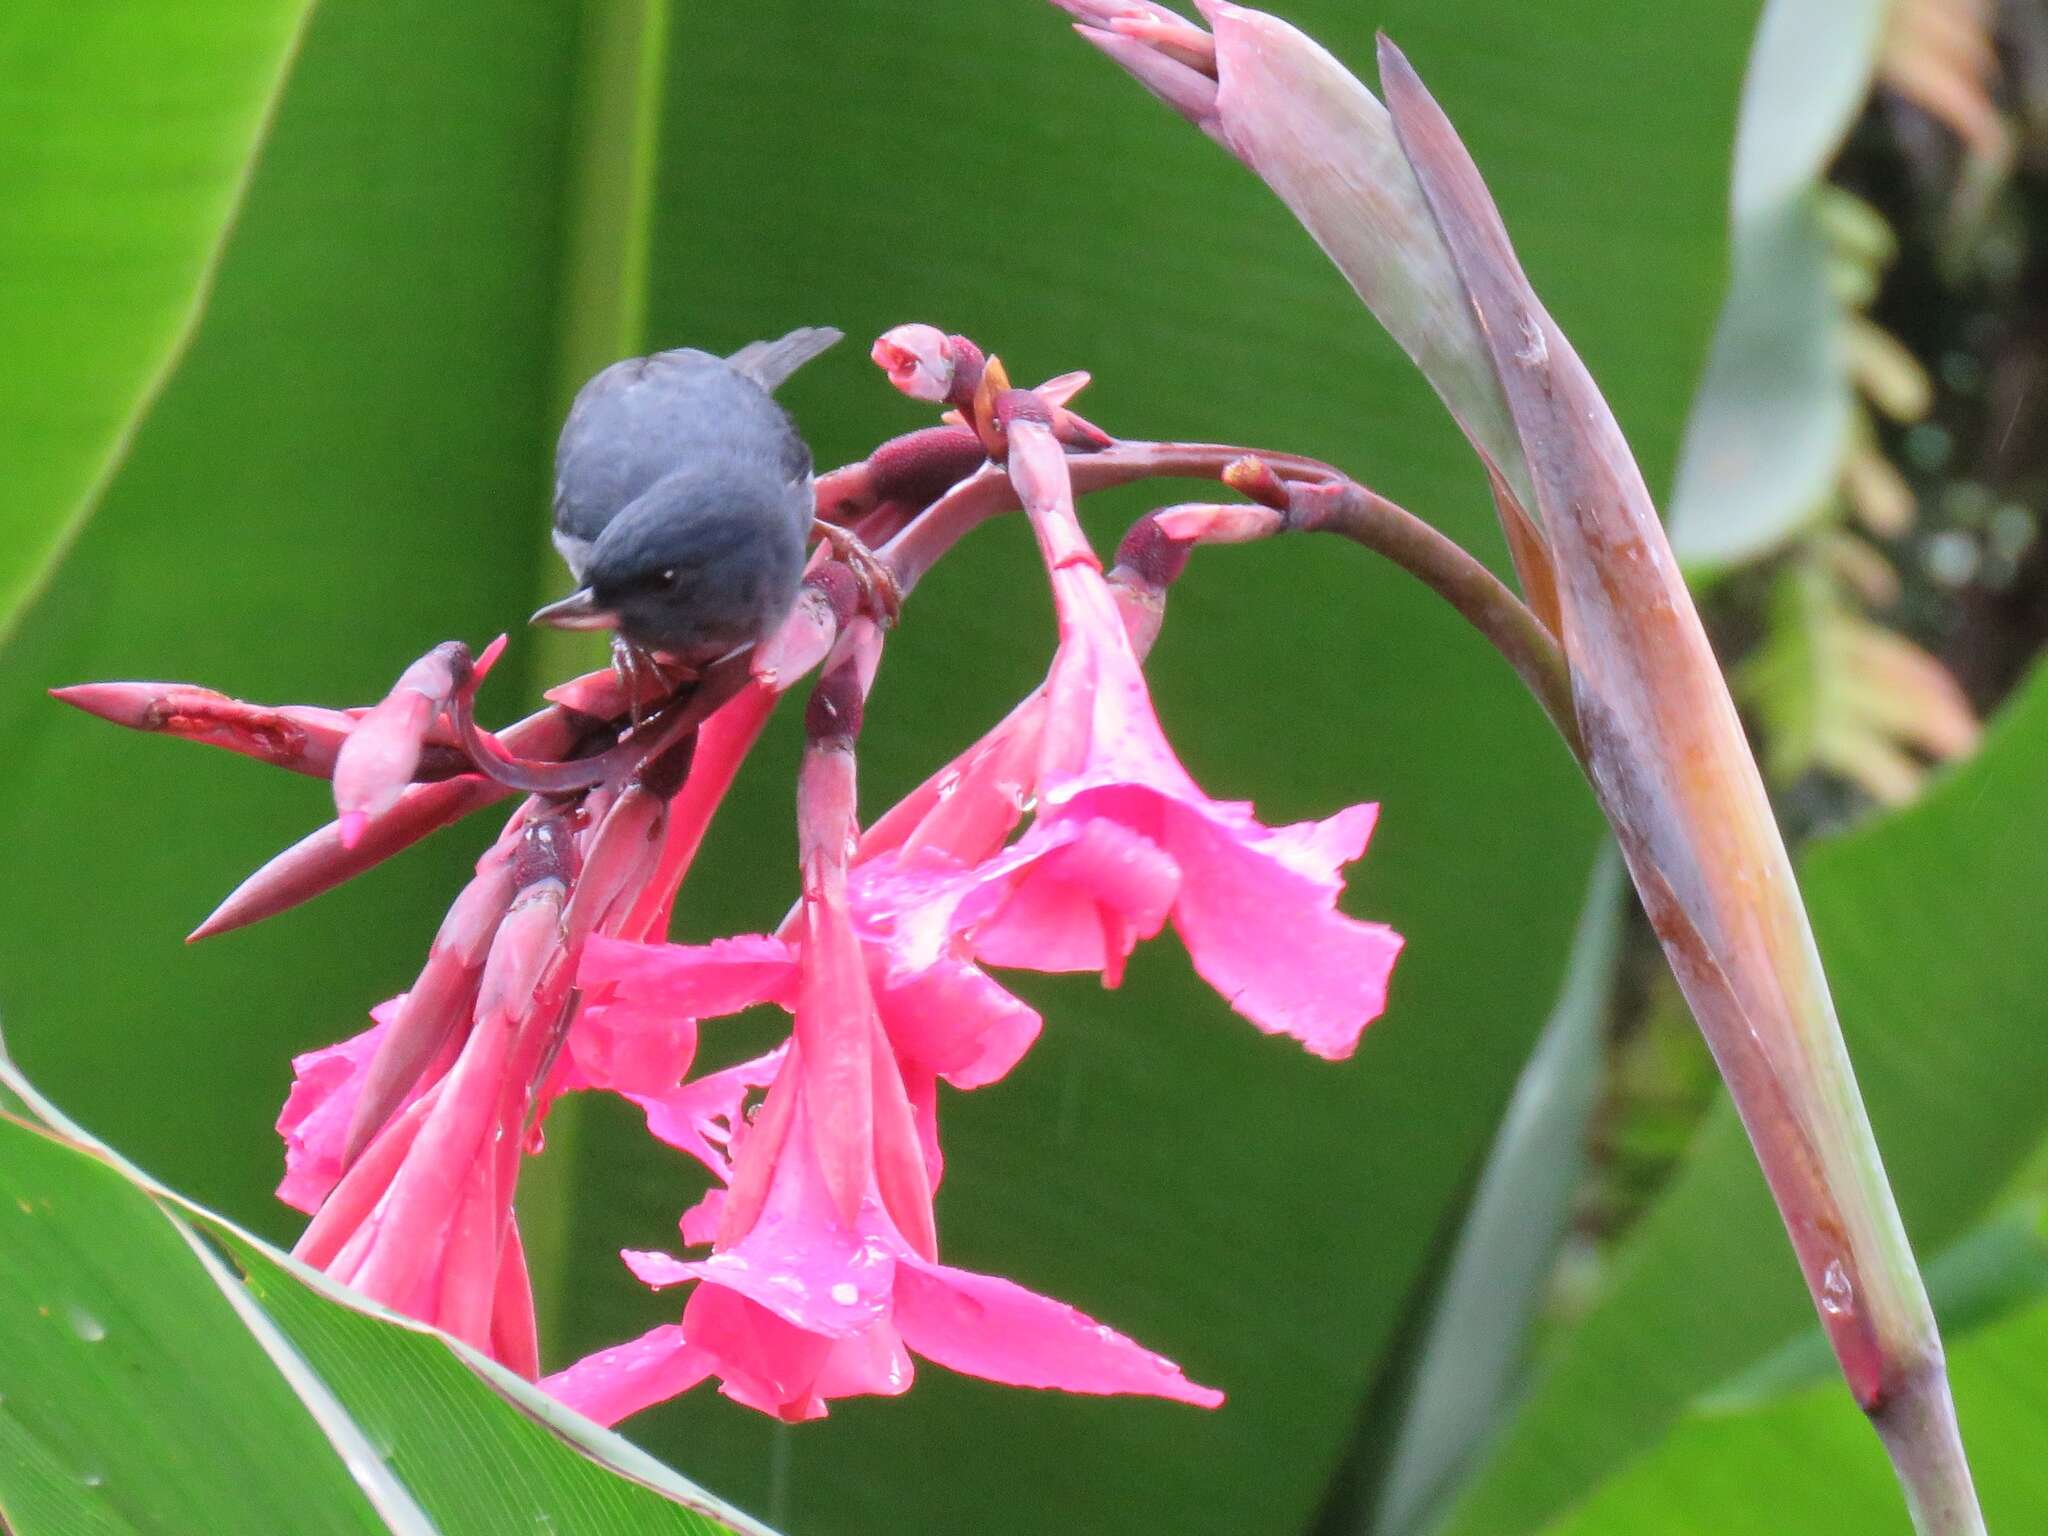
[1837,1295]
[846,1293]
[85,1325]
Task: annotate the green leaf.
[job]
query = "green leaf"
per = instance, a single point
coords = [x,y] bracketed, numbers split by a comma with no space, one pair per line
[1471,1357]
[1940,1000]
[135,1363]
[1768,432]
[128,1386]
[131,130]
[1809,1463]
[349,466]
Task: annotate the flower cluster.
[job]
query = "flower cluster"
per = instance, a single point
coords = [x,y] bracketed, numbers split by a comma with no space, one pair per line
[1061,839]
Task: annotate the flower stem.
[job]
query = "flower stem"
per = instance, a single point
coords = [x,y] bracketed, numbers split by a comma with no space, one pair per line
[1917,1423]
[1447,569]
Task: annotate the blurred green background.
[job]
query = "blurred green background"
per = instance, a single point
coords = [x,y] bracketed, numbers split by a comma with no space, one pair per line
[455,213]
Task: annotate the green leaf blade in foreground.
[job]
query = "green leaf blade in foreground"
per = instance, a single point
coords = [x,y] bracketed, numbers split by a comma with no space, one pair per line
[1922,919]
[131,1397]
[479,1461]
[443,1441]
[131,131]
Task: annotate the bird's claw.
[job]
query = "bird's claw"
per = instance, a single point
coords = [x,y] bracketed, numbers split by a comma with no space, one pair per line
[633,665]
[881,597]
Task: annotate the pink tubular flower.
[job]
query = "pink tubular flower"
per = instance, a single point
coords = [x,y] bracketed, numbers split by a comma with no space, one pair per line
[824,1274]
[1124,839]
[808,1306]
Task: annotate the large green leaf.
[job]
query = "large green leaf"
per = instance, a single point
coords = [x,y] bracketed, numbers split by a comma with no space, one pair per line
[1764,446]
[128,1386]
[146,1386]
[1943,993]
[130,130]
[348,466]
[1808,1462]
[1471,1358]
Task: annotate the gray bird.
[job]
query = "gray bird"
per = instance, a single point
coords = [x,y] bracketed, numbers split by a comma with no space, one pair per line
[683,498]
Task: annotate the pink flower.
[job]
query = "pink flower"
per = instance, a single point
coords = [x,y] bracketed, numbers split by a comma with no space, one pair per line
[1255,905]
[420,1217]
[327,1084]
[808,1307]
[1123,839]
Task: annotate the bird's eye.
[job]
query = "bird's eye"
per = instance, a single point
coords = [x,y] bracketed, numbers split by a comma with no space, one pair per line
[668,576]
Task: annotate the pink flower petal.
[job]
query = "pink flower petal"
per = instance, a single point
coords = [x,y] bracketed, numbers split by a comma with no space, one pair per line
[632,1051]
[901,1176]
[835,1029]
[315,1119]
[703,1116]
[653,983]
[1264,932]
[1087,890]
[760,1359]
[981,1325]
[953,1019]
[615,1383]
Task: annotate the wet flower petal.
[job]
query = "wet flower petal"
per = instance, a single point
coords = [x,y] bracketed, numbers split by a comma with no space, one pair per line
[615,1383]
[315,1119]
[982,1325]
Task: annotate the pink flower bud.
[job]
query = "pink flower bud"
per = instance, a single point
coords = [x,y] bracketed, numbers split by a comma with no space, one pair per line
[919,360]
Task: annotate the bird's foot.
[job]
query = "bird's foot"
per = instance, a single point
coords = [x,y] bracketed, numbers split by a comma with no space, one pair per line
[881,597]
[642,676]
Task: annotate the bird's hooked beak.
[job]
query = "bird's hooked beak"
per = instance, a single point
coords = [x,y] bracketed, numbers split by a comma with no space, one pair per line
[579,610]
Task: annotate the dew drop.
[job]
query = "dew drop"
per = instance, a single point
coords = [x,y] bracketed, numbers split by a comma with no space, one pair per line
[92,1479]
[1837,1295]
[85,1325]
[846,1293]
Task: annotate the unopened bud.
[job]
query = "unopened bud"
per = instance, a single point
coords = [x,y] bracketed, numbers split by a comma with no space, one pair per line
[919,360]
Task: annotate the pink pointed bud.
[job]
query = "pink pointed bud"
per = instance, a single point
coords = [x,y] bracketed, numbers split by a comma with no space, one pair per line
[623,853]
[379,758]
[294,737]
[1062,388]
[1179,40]
[319,861]
[918,359]
[807,635]
[723,743]
[514,1338]
[1106,13]
[1214,523]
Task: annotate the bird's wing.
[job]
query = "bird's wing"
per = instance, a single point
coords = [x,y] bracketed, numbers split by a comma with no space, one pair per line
[768,363]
